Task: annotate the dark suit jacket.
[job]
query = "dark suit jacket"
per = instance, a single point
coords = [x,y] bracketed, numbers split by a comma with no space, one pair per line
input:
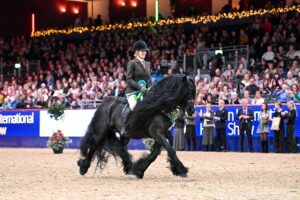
[135,73]
[245,122]
[278,114]
[291,117]
[223,114]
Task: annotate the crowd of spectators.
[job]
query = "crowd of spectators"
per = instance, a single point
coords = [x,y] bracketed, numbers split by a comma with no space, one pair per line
[76,71]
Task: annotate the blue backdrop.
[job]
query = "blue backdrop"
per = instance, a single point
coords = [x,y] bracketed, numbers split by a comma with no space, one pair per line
[21,128]
[20,123]
[232,123]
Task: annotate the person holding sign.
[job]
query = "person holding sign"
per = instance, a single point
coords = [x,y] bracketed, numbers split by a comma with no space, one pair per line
[245,116]
[278,127]
[208,128]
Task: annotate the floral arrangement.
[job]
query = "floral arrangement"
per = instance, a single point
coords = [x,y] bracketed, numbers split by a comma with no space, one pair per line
[57,141]
[148,143]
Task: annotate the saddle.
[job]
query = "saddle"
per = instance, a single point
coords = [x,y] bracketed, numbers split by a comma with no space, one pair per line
[125,110]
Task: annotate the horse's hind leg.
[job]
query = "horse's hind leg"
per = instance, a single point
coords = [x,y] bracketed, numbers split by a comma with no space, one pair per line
[119,148]
[140,166]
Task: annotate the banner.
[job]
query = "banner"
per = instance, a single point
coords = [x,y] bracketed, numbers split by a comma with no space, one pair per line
[233,123]
[74,123]
[19,123]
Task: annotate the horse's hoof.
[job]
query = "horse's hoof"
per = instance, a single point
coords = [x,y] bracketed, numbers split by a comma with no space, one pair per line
[183,175]
[83,171]
[137,174]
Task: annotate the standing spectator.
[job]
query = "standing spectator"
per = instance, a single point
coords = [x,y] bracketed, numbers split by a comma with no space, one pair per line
[208,128]
[279,134]
[290,127]
[263,127]
[191,132]
[178,142]
[221,116]
[245,116]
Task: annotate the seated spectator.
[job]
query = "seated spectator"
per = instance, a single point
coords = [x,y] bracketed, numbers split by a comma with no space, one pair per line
[295,68]
[1,97]
[289,79]
[41,103]
[209,99]
[29,103]
[14,102]
[241,89]
[76,104]
[258,81]
[247,97]
[292,53]
[229,71]
[6,104]
[282,94]
[292,97]
[58,91]
[246,81]
[269,55]
[234,98]
[296,91]
[252,88]
[266,90]
[223,97]
[258,100]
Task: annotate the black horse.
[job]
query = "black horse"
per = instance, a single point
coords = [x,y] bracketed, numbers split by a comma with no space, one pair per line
[149,120]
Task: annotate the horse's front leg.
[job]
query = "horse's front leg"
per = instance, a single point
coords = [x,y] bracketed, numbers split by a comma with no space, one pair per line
[139,167]
[157,132]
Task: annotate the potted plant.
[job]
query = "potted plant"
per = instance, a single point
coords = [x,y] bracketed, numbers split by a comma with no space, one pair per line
[57,142]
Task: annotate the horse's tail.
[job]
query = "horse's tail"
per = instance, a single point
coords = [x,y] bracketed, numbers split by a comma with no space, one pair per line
[87,141]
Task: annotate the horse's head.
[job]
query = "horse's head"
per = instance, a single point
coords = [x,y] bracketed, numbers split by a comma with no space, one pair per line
[188,104]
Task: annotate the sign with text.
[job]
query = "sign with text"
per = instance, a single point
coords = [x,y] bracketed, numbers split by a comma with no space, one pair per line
[19,123]
[233,123]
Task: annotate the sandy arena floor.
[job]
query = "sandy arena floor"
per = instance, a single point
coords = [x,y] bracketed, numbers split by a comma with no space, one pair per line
[39,174]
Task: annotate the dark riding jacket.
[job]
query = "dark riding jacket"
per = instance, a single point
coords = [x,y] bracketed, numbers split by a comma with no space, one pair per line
[136,72]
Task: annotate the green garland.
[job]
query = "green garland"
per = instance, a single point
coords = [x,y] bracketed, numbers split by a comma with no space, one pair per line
[56,111]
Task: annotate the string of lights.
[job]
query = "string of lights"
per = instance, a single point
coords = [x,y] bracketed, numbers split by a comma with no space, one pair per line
[193,20]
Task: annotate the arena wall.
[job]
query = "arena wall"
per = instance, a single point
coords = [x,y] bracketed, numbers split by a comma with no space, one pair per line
[32,128]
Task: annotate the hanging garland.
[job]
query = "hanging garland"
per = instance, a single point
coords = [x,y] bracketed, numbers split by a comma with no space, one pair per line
[193,20]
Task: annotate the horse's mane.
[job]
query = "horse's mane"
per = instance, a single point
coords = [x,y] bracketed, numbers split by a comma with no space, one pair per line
[165,96]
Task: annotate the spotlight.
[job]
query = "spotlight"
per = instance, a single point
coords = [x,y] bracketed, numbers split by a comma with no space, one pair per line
[17,65]
[123,3]
[75,10]
[134,4]
[62,9]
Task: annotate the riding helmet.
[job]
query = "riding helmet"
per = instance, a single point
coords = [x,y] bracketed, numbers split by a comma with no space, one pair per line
[140,46]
